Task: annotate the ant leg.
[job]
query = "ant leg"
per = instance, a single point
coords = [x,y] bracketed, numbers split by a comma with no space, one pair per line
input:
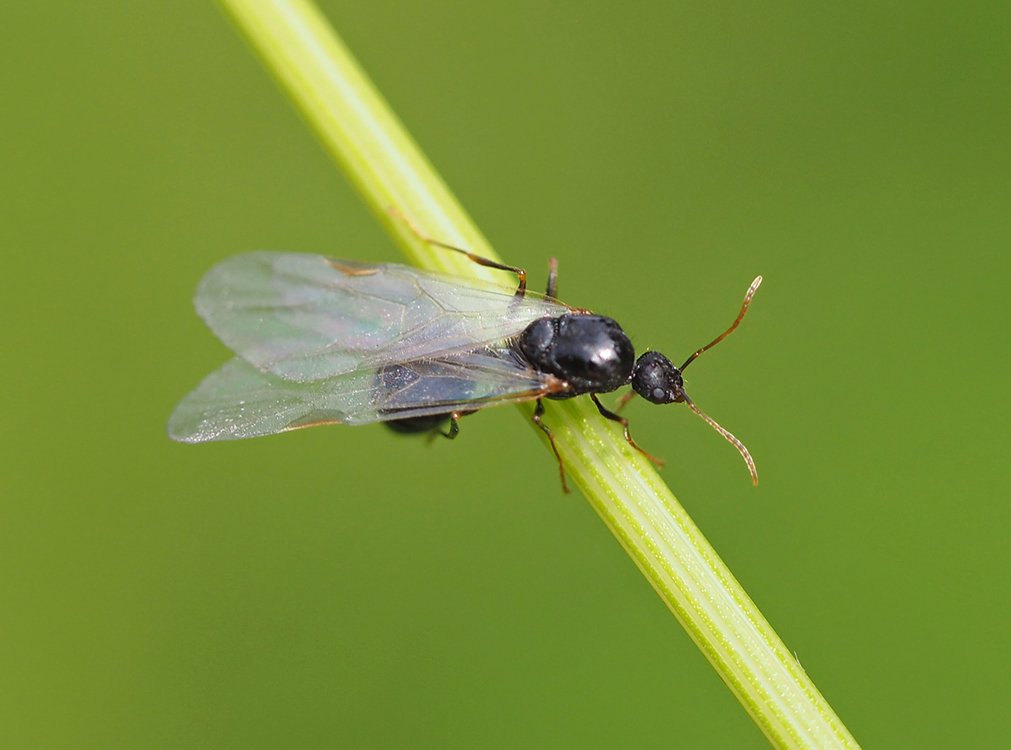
[435,431]
[538,413]
[454,426]
[623,401]
[521,273]
[624,423]
[552,291]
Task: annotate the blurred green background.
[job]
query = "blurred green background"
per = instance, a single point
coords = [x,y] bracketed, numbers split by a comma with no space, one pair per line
[347,588]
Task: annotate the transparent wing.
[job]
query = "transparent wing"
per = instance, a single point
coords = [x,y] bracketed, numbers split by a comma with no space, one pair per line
[306,317]
[239,401]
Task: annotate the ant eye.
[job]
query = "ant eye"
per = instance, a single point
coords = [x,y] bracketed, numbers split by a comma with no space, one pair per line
[658,394]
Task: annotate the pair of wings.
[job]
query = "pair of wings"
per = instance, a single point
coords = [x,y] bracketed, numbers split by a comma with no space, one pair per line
[324,341]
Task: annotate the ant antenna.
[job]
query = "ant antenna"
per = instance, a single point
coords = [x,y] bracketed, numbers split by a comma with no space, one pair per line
[712,422]
[744,308]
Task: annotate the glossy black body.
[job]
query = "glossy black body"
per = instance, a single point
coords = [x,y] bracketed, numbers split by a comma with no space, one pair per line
[591,353]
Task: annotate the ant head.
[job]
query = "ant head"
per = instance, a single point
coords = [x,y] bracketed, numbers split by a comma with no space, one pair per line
[656,379]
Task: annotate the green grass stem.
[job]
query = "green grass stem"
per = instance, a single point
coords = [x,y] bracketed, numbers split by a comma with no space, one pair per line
[314,68]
